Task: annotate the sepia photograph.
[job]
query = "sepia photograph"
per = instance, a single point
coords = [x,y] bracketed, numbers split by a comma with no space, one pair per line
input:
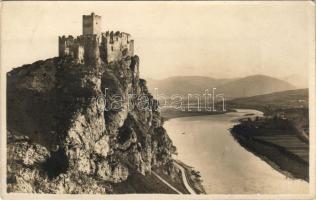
[167,99]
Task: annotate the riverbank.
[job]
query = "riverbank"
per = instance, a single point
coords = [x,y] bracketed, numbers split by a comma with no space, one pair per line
[170,114]
[193,178]
[281,148]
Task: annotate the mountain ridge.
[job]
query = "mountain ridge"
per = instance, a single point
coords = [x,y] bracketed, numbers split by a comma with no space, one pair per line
[231,88]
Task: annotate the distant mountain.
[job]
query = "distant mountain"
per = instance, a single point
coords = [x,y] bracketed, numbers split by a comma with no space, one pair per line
[184,84]
[253,85]
[231,88]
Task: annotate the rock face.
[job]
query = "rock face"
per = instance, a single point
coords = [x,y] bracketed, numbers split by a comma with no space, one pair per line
[74,128]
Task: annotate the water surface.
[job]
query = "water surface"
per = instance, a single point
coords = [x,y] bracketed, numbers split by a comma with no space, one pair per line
[205,143]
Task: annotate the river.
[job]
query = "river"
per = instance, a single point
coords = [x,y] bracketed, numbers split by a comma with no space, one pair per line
[205,143]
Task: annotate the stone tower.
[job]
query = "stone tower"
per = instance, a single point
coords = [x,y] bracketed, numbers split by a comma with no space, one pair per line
[94,47]
[91,24]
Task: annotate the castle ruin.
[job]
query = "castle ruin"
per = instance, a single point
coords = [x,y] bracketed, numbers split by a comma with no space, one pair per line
[94,46]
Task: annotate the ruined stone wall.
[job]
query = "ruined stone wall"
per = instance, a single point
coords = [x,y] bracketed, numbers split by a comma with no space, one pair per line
[131,48]
[118,46]
[70,46]
[126,44]
[64,45]
[79,53]
[113,47]
[91,50]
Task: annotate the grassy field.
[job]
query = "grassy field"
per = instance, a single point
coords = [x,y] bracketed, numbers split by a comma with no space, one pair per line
[289,142]
[285,153]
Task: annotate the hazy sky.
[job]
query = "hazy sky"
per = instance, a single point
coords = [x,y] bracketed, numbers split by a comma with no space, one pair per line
[218,39]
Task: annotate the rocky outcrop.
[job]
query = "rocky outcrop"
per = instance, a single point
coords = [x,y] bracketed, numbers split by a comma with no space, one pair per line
[74,128]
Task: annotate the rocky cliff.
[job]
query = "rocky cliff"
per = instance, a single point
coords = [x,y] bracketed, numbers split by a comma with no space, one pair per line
[73,128]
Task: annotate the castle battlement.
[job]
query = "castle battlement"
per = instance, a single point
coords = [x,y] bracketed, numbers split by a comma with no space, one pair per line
[94,46]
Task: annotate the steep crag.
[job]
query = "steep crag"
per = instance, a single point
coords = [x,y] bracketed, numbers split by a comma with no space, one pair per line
[74,128]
